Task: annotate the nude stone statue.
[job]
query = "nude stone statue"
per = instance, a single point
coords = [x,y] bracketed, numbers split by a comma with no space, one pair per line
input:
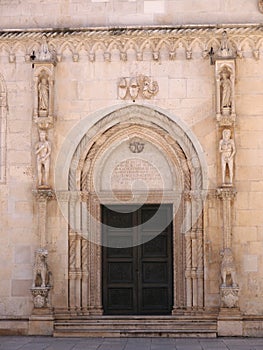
[227,150]
[43,95]
[226,90]
[43,151]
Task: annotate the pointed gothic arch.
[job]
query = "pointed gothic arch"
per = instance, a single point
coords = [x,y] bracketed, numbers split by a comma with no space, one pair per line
[84,156]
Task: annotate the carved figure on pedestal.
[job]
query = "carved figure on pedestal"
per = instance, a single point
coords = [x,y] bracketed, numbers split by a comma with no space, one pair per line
[43,151]
[226,90]
[227,149]
[228,268]
[225,50]
[43,96]
[44,54]
[40,271]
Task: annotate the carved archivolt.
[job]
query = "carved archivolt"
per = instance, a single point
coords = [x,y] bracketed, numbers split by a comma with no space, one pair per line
[158,42]
[152,127]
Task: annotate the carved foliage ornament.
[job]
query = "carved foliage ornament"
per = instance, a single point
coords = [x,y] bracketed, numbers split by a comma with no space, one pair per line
[134,87]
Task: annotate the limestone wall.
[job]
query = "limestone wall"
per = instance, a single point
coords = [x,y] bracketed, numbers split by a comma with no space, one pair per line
[83,89]
[77,13]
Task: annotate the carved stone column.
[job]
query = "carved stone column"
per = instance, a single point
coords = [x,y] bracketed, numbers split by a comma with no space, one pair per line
[43,63]
[95,291]
[42,197]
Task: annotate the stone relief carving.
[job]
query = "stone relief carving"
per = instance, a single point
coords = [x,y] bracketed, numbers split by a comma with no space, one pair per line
[260,5]
[228,269]
[136,145]
[227,150]
[43,152]
[229,297]
[134,87]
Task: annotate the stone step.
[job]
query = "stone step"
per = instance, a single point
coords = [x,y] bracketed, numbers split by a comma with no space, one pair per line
[135,326]
[131,325]
[111,333]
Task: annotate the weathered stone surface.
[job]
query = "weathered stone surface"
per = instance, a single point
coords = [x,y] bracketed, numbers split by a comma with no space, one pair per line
[97,131]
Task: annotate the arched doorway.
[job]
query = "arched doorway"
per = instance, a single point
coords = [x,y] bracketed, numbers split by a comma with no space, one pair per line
[141,147]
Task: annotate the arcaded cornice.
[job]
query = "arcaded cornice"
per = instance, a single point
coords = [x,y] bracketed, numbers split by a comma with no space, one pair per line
[244,38]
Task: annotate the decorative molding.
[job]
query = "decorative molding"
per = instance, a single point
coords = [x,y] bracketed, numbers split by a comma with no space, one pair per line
[154,39]
[44,194]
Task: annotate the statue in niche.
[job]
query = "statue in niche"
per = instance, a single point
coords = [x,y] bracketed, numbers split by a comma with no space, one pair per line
[40,270]
[226,90]
[228,269]
[227,150]
[43,96]
[43,151]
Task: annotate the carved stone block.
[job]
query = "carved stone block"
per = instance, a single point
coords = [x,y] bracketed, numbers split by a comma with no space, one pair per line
[134,87]
[229,297]
[40,297]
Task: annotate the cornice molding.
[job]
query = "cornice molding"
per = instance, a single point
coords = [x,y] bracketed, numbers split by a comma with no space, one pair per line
[119,40]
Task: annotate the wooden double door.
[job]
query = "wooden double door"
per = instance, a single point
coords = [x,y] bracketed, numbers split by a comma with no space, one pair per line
[137,263]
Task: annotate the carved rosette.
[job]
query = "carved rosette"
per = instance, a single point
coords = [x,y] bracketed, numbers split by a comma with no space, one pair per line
[229,297]
[40,297]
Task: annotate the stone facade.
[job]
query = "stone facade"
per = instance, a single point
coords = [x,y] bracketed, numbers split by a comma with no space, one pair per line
[165,110]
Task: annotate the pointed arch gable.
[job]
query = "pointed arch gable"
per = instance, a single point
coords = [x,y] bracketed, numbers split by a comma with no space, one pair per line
[85,133]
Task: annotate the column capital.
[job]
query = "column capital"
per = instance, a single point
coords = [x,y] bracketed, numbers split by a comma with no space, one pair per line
[226,193]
